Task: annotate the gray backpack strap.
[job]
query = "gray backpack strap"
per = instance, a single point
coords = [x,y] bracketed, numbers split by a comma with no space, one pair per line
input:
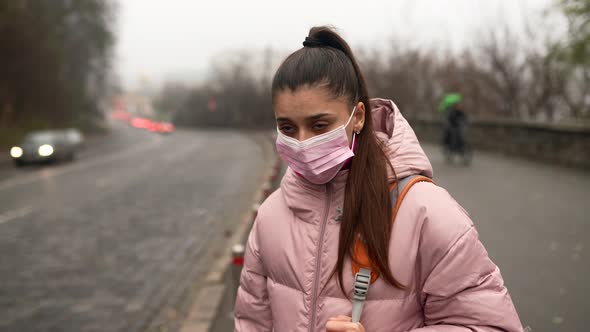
[400,187]
[362,281]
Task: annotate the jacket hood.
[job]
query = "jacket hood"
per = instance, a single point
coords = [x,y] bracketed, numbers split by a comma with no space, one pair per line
[403,149]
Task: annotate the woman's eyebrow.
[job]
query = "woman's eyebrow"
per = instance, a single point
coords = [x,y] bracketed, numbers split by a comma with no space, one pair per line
[309,118]
[317,116]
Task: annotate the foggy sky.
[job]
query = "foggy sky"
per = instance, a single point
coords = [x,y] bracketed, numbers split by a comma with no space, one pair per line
[176,39]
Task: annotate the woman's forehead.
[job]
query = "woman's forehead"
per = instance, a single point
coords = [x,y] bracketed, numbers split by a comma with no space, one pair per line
[307,101]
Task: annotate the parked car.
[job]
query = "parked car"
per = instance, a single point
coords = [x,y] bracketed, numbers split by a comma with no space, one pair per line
[48,145]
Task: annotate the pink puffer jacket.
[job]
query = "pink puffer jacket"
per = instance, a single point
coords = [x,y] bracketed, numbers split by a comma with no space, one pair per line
[434,249]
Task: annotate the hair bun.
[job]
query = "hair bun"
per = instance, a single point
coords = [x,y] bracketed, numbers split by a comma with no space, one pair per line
[312,42]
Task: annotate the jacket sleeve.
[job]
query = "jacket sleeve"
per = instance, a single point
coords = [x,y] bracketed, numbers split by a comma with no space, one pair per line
[462,289]
[252,308]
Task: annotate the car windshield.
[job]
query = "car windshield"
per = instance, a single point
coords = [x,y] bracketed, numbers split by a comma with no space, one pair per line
[39,138]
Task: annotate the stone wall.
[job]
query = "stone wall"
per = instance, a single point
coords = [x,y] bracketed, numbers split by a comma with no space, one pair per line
[567,145]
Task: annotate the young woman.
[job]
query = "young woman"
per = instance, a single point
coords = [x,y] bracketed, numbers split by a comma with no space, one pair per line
[345,153]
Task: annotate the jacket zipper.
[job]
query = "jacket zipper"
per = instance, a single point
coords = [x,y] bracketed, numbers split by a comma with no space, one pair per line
[318,260]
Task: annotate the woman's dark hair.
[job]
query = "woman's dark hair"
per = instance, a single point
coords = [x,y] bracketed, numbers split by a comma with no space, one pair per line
[326,61]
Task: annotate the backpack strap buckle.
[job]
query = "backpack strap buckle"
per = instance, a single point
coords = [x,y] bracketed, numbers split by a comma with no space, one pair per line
[362,281]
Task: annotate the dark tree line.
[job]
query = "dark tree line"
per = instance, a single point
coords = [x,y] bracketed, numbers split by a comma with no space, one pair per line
[55,61]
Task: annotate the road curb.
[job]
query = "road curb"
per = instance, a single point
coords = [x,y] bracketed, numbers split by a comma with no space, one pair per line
[208,299]
[207,304]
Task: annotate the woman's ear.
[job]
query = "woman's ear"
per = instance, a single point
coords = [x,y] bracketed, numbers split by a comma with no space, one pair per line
[359,117]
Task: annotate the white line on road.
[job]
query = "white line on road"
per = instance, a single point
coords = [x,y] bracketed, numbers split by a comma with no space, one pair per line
[15,214]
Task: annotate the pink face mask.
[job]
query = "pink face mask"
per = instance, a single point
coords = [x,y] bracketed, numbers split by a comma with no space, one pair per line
[320,158]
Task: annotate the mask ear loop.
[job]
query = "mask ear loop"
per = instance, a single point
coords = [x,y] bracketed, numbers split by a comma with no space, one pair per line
[354,132]
[350,118]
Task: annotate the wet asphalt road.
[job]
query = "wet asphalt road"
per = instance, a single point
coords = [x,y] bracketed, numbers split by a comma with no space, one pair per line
[116,240]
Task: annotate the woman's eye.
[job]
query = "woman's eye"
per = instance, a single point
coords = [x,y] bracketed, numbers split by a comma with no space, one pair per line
[319,126]
[286,129]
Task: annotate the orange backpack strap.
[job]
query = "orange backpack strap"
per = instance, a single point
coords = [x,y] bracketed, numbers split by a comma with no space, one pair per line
[361,259]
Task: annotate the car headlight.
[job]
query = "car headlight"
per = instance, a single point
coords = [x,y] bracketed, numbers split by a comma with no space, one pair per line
[16,152]
[45,150]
